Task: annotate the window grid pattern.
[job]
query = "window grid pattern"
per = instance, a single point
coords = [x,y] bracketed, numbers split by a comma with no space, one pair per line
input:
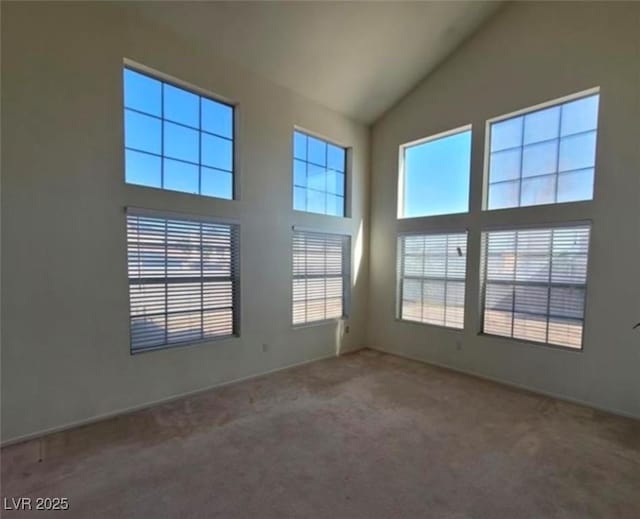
[176,139]
[431,278]
[535,284]
[183,280]
[545,156]
[320,276]
[319,175]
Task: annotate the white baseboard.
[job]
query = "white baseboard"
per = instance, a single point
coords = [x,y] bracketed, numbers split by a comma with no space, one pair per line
[558,396]
[147,405]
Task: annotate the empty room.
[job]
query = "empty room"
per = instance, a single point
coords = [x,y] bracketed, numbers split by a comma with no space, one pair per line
[320,259]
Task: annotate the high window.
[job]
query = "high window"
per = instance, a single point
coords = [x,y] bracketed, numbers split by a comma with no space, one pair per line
[543,156]
[319,175]
[534,284]
[183,280]
[321,277]
[176,139]
[431,278]
[434,175]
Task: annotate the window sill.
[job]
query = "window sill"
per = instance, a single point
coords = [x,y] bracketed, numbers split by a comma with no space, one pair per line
[429,325]
[185,344]
[532,343]
[313,324]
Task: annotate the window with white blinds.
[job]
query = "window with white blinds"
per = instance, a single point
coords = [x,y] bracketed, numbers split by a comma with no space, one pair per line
[320,276]
[183,280]
[431,278]
[535,284]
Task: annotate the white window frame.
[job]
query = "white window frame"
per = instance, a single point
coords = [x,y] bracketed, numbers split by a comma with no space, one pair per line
[347,171]
[235,269]
[483,280]
[523,111]
[400,277]
[401,169]
[346,278]
[201,92]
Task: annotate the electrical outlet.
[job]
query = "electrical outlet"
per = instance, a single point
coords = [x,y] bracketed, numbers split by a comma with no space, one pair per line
[346,329]
[265,348]
[458,345]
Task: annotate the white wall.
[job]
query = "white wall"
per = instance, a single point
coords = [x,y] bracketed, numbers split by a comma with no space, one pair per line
[65,343]
[529,53]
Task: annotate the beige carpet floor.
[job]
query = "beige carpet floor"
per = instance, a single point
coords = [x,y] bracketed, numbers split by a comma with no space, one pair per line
[366,435]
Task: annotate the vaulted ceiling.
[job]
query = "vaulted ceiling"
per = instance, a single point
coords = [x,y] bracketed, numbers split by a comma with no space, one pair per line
[358,58]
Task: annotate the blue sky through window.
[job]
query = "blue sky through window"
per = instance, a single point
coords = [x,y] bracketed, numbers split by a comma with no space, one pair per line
[176,139]
[319,175]
[436,176]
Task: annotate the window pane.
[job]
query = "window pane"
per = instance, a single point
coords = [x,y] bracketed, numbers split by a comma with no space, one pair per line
[454,307]
[299,145]
[299,199]
[531,299]
[433,302]
[180,176]
[411,306]
[335,183]
[181,106]
[565,332]
[540,159]
[431,274]
[142,132]
[505,194]
[580,116]
[216,183]
[336,158]
[545,300]
[538,190]
[576,185]
[567,302]
[335,205]
[436,176]
[316,202]
[529,327]
[505,165]
[299,173]
[578,151]
[175,297]
[320,276]
[176,135]
[317,177]
[542,125]
[317,151]
[217,152]
[142,169]
[325,185]
[217,118]
[142,92]
[180,143]
[506,134]
[555,140]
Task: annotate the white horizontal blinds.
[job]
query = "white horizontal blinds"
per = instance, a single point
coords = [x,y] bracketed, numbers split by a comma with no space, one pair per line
[183,280]
[320,276]
[535,284]
[432,272]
